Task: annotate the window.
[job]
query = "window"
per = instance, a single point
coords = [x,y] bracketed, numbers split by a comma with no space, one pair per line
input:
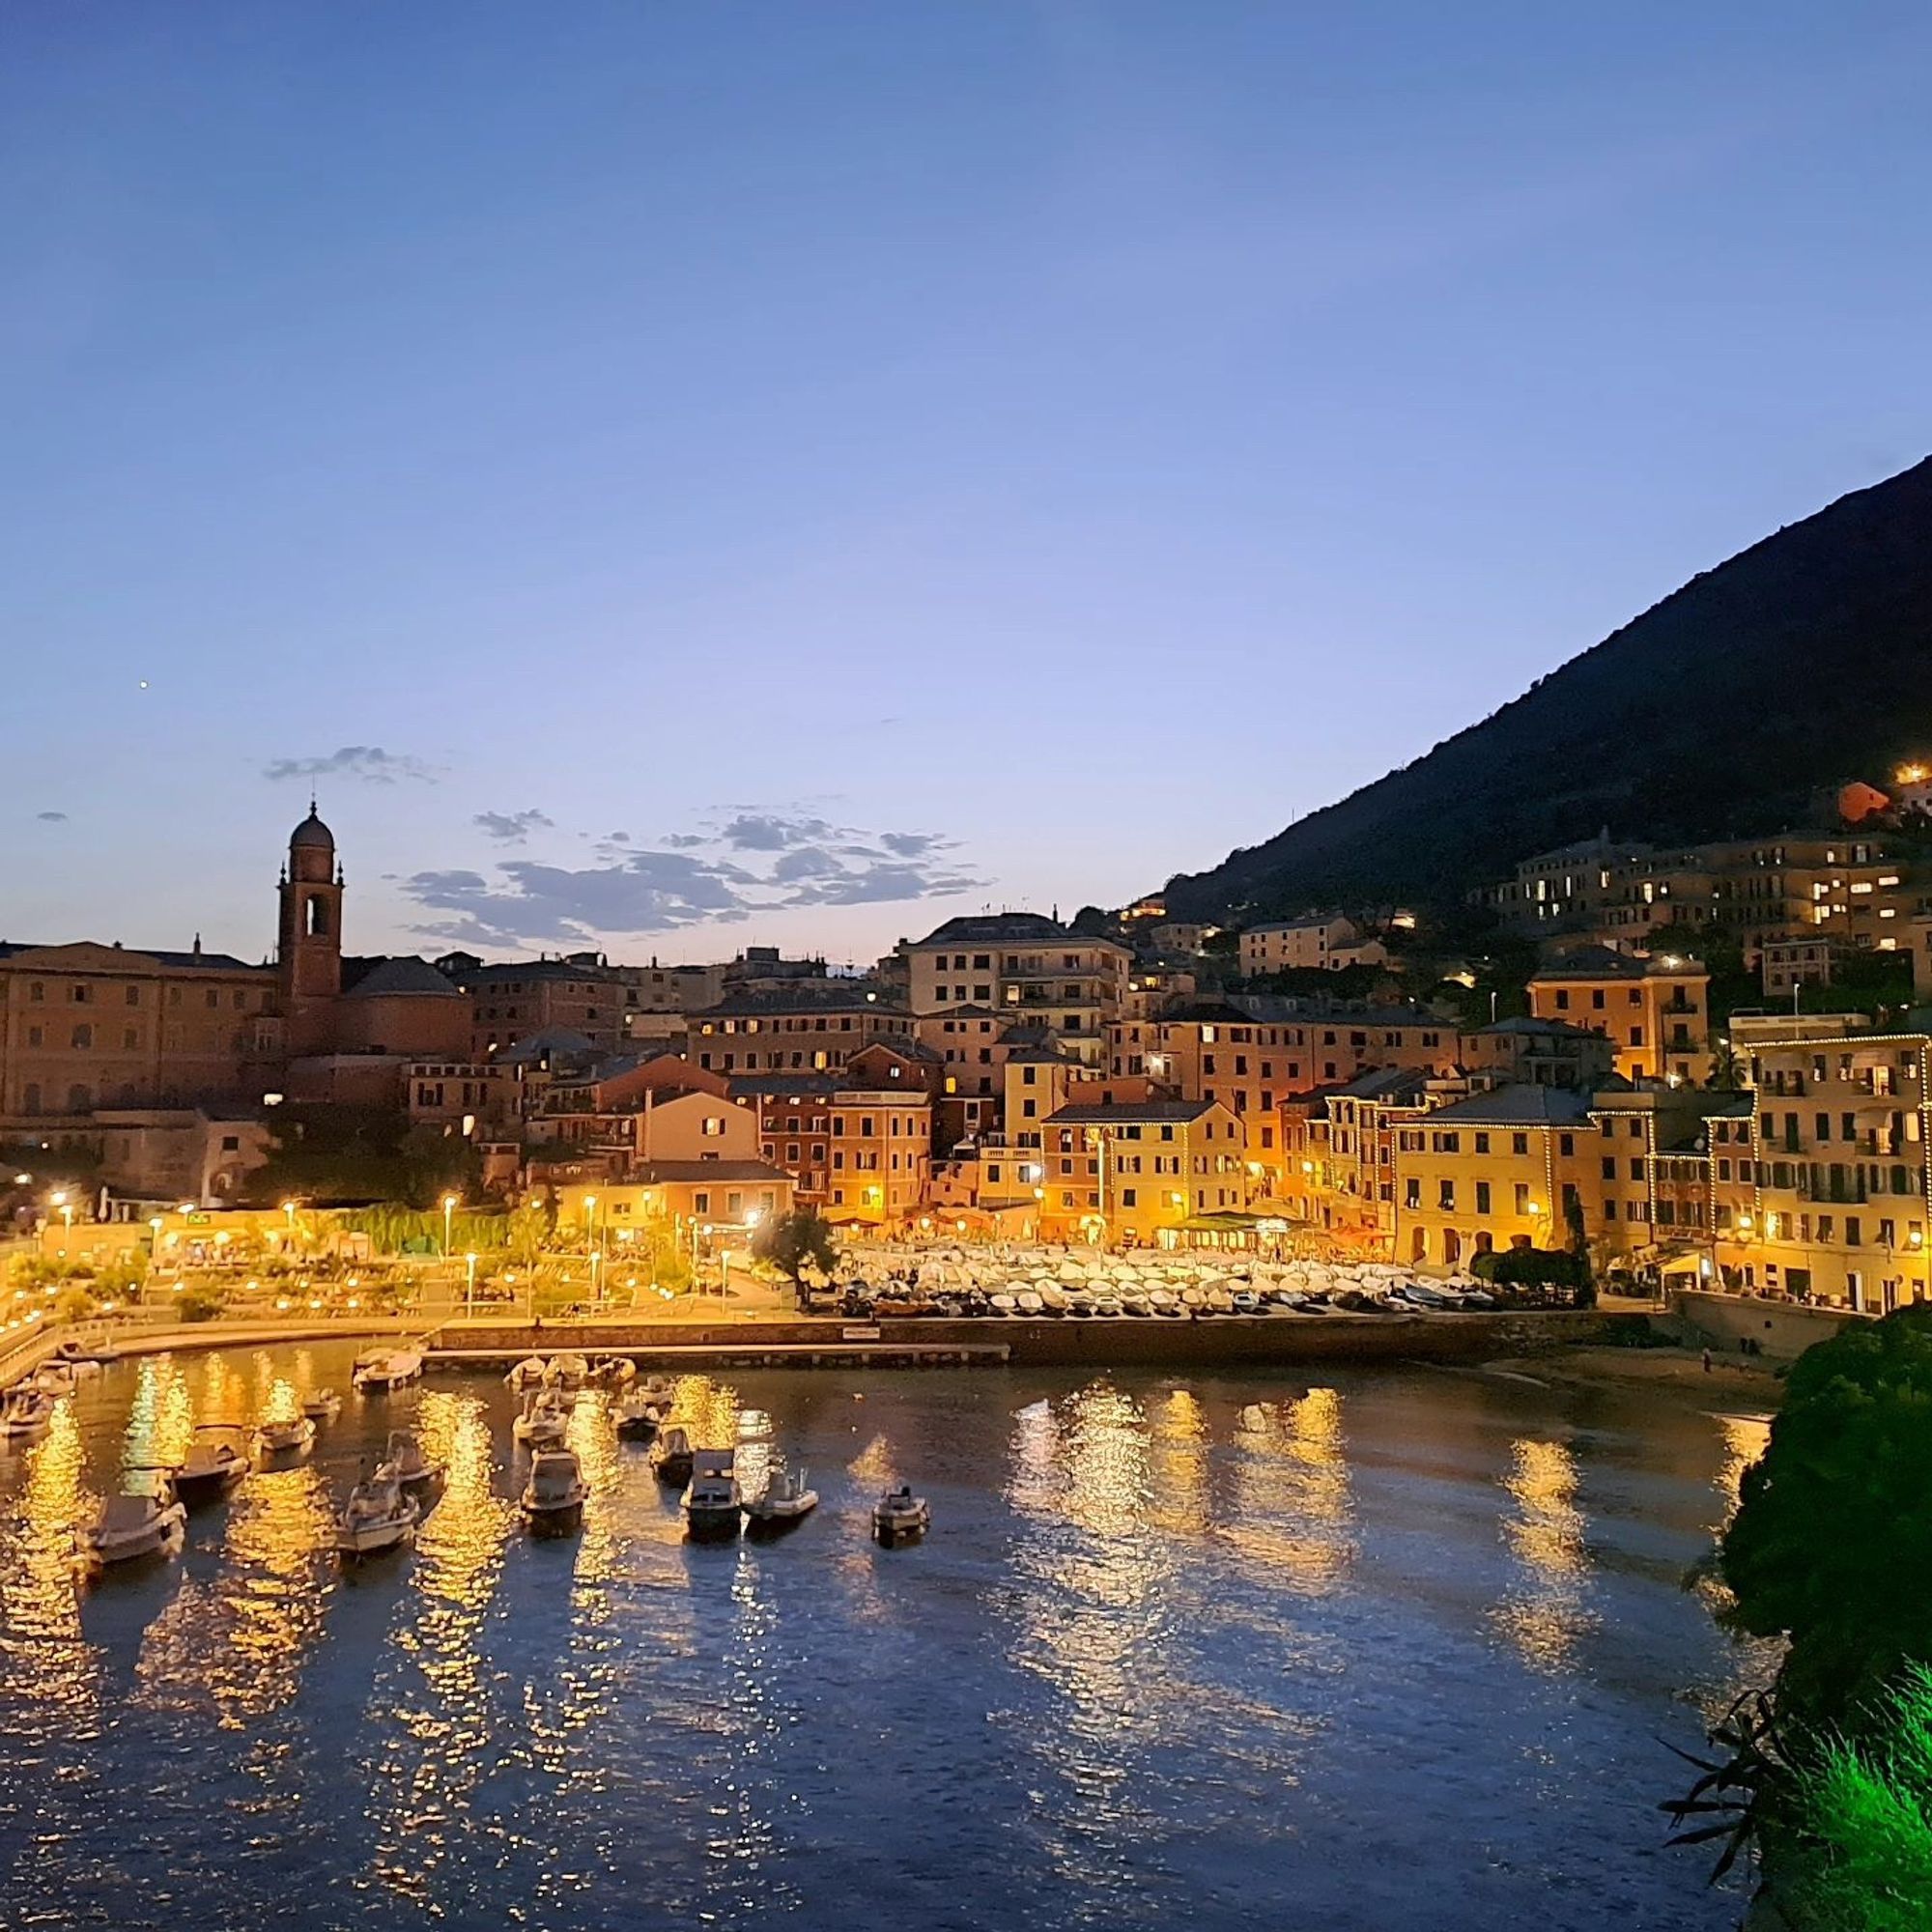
[83,1036]
[133,996]
[700,1201]
[1482,1197]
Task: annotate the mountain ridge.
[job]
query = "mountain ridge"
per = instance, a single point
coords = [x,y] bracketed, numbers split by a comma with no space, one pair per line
[1719,711]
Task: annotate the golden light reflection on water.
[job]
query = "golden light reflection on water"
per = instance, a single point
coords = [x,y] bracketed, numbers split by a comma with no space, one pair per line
[1746,1437]
[1177,1463]
[425,1781]
[45,1657]
[1293,1508]
[1545,1617]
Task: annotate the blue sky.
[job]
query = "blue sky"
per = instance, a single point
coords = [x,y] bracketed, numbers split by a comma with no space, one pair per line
[681,476]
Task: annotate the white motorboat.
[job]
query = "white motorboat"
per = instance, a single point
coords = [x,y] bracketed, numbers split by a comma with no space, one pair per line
[615,1372]
[404,1462]
[53,1378]
[785,1500]
[385,1369]
[323,1406]
[712,1503]
[899,1515]
[133,1528]
[25,1412]
[378,1516]
[528,1374]
[671,1457]
[553,1498]
[568,1373]
[543,1423]
[218,1459]
[285,1437]
[660,1389]
[638,1417]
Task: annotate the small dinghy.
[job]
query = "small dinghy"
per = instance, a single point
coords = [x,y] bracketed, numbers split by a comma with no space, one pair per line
[323,1406]
[528,1374]
[385,1369]
[671,1455]
[900,1517]
[543,1423]
[568,1373]
[285,1439]
[785,1501]
[553,1498]
[377,1517]
[405,1463]
[712,1504]
[25,1412]
[637,1418]
[137,1528]
[218,1459]
[615,1372]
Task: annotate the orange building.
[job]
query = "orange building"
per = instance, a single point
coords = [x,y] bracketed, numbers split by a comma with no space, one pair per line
[1654,1011]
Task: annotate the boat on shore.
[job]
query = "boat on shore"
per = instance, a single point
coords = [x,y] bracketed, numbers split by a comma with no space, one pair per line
[637,1418]
[544,1421]
[25,1412]
[785,1501]
[378,1517]
[900,1517]
[137,1528]
[323,1406]
[216,1461]
[384,1368]
[415,1473]
[712,1504]
[671,1455]
[284,1438]
[553,1498]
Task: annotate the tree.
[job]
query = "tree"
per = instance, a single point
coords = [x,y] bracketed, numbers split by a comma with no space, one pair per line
[791,1243]
[329,1153]
[1832,1544]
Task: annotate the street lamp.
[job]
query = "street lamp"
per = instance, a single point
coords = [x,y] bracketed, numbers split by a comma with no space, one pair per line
[59,1200]
[448,1213]
[589,1222]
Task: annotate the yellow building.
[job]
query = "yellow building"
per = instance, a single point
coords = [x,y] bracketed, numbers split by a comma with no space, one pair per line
[881,1156]
[815,1027]
[676,1196]
[1120,1171]
[1822,1192]
[1653,1011]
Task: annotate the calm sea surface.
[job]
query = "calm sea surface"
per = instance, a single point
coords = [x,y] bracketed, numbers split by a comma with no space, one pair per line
[1384,1651]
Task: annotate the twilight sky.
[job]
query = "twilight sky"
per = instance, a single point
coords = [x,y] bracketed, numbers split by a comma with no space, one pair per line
[678,476]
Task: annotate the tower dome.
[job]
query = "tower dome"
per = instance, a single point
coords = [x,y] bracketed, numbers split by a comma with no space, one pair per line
[312,833]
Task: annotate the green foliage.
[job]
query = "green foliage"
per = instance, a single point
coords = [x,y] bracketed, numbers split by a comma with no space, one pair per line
[1832,1544]
[202,1303]
[1862,1860]
[1533,1267]
[397,1230]
[330,1154]
[792,1242]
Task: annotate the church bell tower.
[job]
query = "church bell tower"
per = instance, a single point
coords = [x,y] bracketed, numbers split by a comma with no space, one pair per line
[308,957]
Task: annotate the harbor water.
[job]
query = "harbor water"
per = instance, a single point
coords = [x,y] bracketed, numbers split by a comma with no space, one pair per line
[1399,1651]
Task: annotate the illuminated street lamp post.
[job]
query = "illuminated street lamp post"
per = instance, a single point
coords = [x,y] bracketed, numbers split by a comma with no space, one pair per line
[448,1215]
[469,1283]
[59,1200]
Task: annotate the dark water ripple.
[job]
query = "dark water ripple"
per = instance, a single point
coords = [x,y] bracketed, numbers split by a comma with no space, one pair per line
[1392,1653]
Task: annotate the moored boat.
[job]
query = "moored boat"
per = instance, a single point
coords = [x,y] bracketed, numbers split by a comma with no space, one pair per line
[712,1503]
[25,1412]
[671,1455]
[405,1463]
[567,1372]
[385,1369]
[378,1517]
[323,1406]
[616,1371]
[135,1528]
[900,1517]
[528,1374]
[553,1498]
[216,1460]
[284,1438]
[544,1421]
[785,1500]
[638,1417]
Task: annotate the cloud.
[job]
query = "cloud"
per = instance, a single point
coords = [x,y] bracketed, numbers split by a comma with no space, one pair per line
[51,817]
[911,844]
[512,828]
[881,884]
[368,763]
[767,832]
[680,841]
[641,893]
